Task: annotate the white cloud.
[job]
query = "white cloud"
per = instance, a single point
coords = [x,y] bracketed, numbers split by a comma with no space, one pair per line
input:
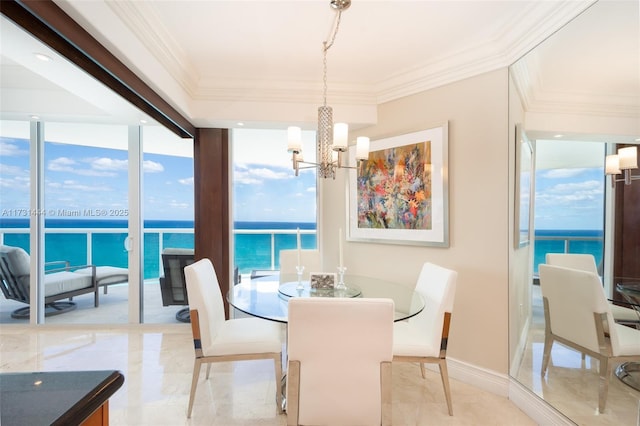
[152,167]
[18,182]
[571,194]
[179,205]
[588,185]
[8,149]
[246,175]
[103,167]
[110,164]
[266,173]
[563,173]
[62,164]
[186,181]
[73,185]
[7,170]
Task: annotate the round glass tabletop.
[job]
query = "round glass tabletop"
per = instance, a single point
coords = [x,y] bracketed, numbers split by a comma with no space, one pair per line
[268,297]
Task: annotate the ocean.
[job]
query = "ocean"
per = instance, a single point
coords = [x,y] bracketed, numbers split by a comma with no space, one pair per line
[576,241]
[255,249]
[252,250]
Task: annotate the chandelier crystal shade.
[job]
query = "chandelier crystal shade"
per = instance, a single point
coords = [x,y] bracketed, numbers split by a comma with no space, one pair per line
[332,139]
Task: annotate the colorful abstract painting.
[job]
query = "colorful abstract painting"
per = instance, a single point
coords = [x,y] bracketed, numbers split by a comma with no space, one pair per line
[400,193]
[394,188]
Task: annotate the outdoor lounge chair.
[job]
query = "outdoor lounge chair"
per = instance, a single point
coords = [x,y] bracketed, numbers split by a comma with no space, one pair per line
[59,284]
[173,285]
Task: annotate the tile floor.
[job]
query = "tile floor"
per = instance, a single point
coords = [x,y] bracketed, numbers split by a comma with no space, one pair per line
[157,359]
[157,362]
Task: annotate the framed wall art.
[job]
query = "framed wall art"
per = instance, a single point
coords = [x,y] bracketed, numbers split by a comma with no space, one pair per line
[399,195]
[523,188]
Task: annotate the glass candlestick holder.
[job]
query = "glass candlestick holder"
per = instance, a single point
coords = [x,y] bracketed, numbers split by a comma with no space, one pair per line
[341,285]
[299,271]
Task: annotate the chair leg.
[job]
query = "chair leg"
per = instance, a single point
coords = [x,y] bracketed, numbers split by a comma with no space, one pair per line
[444,374]
[293,392]
[546,355]
[194,384]
[422,370]
[277,360]
[386,414]
[603,383]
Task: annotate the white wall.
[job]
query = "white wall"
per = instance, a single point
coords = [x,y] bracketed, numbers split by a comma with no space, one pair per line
[479,213]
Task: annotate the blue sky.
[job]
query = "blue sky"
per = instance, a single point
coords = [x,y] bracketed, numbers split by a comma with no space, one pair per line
[88,179]
[91,181]
[569,198]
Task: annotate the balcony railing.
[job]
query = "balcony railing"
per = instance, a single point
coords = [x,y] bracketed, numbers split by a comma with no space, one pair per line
[254,248]
[566,244]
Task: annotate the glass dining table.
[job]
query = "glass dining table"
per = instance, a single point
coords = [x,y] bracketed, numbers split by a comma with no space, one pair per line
[268,297]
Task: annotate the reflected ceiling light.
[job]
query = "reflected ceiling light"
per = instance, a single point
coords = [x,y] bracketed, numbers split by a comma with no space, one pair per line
[622,163]
[332,140]
[558,136]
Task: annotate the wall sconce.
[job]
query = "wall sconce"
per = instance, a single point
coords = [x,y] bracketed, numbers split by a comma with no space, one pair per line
[623,162]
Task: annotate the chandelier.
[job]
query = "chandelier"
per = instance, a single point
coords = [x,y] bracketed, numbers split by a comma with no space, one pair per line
[332,139]
[622,163]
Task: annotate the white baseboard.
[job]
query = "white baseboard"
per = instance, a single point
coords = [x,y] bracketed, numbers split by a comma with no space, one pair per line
[479,377]
[503,385]
[534,407]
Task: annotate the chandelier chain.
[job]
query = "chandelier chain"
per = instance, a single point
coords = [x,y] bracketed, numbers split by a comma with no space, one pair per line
[326,46]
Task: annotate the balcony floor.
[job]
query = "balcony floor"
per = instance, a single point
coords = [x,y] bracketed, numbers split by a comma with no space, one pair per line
[113,308]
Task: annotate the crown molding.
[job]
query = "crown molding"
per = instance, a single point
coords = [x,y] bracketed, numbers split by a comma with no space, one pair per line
[144,23]
[535,98]
[513,40]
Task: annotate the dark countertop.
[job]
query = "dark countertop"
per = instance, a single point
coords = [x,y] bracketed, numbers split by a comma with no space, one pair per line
[54,398]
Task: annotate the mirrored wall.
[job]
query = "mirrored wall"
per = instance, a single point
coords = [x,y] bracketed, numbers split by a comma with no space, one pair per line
[579,88]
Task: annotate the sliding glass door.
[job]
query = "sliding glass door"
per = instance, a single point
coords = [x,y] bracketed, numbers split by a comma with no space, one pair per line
[168,211]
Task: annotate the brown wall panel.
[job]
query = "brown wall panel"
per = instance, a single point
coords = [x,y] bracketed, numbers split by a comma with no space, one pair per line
[211,185]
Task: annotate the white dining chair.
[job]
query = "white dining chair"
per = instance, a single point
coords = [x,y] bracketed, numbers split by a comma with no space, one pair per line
[216,339]
[586,262]
[576,314]
[424,337]
[310,259]
[339,367]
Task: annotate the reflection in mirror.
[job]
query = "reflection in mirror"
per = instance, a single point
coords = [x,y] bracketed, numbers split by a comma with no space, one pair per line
[576,95]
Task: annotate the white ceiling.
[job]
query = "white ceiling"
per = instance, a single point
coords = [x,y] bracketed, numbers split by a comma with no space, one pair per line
[260,62]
